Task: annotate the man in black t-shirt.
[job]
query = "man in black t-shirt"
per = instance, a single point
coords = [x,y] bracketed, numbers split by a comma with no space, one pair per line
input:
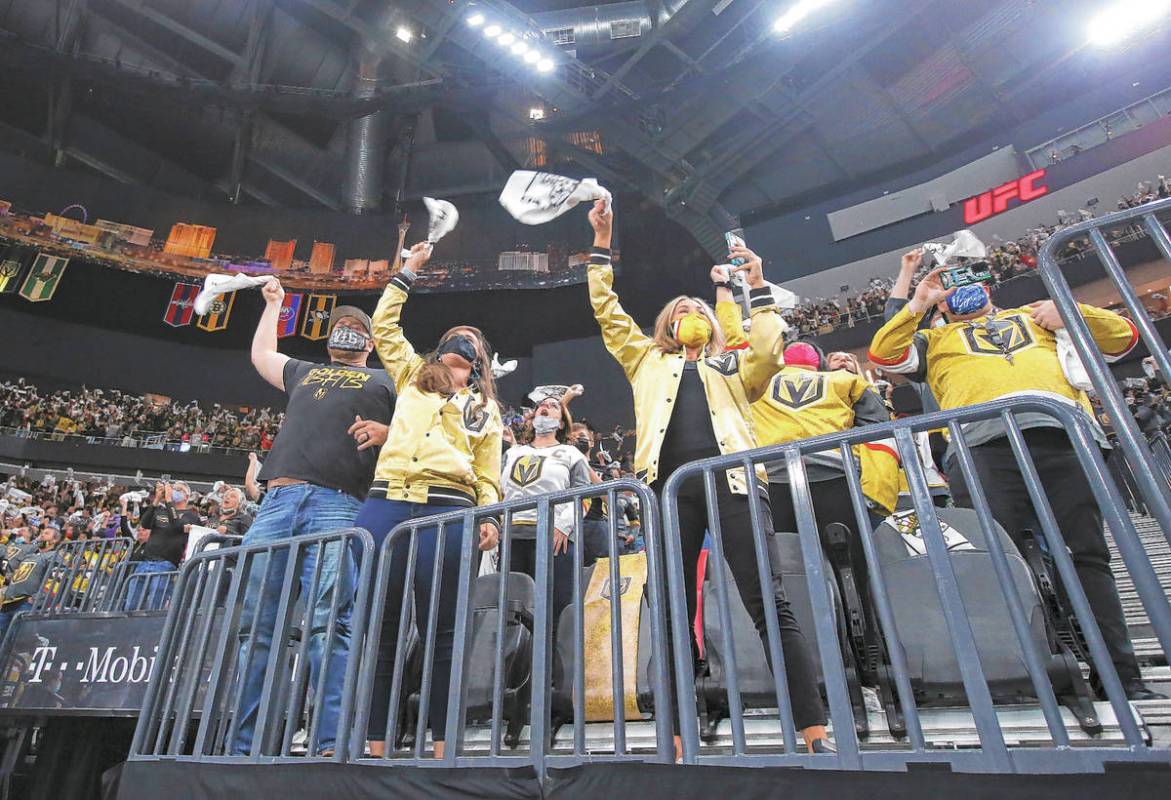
[318,472]
[167,518]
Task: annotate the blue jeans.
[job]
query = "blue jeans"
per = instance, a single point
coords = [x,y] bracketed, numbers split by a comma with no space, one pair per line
[9,612]
[289,511]
[137,596]
[380,517]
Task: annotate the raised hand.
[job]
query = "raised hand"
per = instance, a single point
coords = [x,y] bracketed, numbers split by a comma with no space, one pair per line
[930,291]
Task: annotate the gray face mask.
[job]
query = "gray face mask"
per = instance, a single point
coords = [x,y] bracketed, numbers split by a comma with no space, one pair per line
[544,425]
[347,339]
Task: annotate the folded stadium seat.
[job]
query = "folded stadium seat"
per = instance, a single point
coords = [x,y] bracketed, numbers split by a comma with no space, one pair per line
[755,680]
[922,630]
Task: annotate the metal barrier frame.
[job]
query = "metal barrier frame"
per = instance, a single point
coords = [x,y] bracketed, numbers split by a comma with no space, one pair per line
[1155,491]
[468,521]
[169,705]
[102,577]
[993,755]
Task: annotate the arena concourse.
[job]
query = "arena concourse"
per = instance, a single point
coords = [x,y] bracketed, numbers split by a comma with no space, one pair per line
[537,399]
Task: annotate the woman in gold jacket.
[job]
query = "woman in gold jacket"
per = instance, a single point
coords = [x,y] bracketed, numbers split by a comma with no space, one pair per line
[691,401]
[442,453]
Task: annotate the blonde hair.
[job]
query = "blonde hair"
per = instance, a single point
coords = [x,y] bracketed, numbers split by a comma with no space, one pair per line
[666,341]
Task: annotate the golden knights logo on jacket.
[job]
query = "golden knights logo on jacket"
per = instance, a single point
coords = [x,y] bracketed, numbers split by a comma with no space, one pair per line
[216,318]
[799,389]
[995,337]
[475,415]
[43,277]
[318,307]
[527,469]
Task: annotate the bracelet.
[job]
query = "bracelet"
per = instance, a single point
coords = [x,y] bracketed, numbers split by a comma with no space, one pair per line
[722,284]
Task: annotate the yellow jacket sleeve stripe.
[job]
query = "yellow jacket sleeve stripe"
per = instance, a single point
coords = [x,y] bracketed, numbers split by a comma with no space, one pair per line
[893,346]
[620,334]
[1114,334]
[398,357]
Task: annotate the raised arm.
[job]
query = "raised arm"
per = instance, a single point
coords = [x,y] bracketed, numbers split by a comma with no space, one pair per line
[268,361]
[620,334]
[766,337]
[1114,334]
[896,346]
[729,315]
[398,356]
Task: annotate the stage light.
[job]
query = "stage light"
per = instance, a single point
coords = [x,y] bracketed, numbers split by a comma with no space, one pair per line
[545,65]
[506,39]
[404,34]
[520,48]
[476,20]
[532,56]
[797,12]
[536,113]
[492,31]
[1123,19]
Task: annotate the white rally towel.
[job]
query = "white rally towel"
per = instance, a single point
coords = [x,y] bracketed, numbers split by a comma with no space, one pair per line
[534,198]
[218,283]
[499,370]
[443,217]
[964,244]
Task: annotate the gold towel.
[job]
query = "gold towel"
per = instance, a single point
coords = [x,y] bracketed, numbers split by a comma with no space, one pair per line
[599,671]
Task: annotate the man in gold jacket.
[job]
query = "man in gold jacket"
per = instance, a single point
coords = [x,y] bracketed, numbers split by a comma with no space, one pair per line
[982,353]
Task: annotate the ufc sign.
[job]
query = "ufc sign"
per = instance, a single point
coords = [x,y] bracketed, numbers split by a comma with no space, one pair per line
[995,201]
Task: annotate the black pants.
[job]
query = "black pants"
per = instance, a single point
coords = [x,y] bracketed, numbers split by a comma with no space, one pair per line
[1078,518]
[736,529]
[523,558]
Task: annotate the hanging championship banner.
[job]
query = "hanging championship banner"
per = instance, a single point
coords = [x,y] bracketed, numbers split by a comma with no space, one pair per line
[43,277]
[286,324]
[182,306]
[318,307]
[216,318]
[15,259]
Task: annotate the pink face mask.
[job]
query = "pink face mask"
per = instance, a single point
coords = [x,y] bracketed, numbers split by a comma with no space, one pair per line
[801,354]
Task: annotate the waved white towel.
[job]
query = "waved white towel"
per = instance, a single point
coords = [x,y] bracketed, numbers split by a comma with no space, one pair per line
[534,198]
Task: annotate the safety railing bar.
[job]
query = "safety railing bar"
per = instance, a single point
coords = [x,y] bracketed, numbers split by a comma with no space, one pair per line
[274,670]
[363,571]
[882,604]
[1074,590]
[249,562]
[187,700]
[461,650]
[429,642]
[182,654]
[504,565]
[824,620]
[578,692]
[618,667]
[542,636]
[302,669]
[778,662]
[341,584]
[959,626]
[660,680]
[677,620]
[1126,539]
[212,697]
[727,638]
[1037,672]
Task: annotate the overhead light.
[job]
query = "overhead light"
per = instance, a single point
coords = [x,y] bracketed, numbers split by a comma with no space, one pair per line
[532,56]
[506,39]
[1123,19]
[403,34]
[797,12]
[476,20]
[544,65]
[492,31]
[520,48]
[536,113]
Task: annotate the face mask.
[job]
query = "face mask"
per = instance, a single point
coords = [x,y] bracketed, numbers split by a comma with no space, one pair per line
[544,425]
[692,330]
[177,496]
[801,354]
[967,300]
[348,339]
[462,347]
[582,443]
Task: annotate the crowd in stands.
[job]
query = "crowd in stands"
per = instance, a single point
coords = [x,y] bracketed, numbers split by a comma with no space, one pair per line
[133,420]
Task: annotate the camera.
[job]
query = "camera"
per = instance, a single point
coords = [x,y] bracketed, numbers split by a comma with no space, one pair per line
[966,275]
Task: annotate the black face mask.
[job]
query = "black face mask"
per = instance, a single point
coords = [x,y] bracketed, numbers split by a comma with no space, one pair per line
[582,443]
[462,346]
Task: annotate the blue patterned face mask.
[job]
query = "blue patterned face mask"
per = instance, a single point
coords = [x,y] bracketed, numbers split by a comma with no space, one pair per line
[967,300]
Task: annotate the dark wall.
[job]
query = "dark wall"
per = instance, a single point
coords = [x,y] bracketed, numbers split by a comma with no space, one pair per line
[108,458]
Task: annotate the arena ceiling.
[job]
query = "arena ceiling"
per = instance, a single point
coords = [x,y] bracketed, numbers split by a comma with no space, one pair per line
[698,105]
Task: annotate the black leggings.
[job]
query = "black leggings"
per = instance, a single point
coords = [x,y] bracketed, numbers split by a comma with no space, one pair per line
[736,530]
